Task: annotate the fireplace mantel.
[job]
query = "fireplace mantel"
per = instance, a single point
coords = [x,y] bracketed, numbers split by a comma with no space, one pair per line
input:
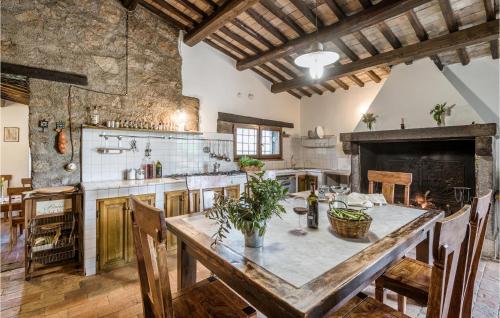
[480,132]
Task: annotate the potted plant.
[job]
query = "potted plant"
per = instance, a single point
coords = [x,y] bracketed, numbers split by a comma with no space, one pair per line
[439,113]
[250,213]
[369,119]
[249,164]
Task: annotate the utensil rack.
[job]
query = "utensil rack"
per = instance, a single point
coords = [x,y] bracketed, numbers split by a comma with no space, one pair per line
[53,235]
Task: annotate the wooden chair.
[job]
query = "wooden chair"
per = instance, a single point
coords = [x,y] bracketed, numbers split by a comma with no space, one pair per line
[7,178]
[451,240]
[207,298]
[26,182]
[389,181]
[15,222]
[412,278]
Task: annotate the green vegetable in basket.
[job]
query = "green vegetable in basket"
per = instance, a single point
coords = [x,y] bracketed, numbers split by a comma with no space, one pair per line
[348,214]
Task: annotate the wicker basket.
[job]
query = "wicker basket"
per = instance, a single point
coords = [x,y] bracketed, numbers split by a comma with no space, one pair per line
[350,228]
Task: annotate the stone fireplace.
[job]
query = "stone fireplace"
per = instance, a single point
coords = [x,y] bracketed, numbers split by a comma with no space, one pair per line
[443,160]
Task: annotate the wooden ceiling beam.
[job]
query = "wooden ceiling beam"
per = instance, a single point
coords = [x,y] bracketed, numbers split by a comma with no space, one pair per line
[255,49]
[267,25]
[227,12]
[357,80]
[422,35]
[257,71]
[365,3]
[356,22]
[389,35]
[307,12]
[452,24]
[44,74]
[274,9]
[341,84]
[374,77]
[166,18]
[480,33]
[328,87]
[256,35]
[176,12]
[191,6]
[489,7]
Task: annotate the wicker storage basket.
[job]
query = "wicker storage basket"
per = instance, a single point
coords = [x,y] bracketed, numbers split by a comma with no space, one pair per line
[350,228]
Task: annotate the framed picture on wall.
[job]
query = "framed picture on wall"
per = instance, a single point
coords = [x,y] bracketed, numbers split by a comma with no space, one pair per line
[11,134]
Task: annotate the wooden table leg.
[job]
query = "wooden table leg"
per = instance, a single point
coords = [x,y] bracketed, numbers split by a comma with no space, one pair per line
[424,249]
[186,267]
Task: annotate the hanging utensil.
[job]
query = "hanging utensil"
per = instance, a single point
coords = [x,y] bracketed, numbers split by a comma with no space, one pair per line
[228,158]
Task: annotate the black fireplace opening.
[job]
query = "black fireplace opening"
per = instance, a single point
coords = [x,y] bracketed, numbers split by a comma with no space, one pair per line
[437,167]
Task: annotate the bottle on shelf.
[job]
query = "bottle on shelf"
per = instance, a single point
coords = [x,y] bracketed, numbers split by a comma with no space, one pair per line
[312,204]
[148,164]
[158,169]
[94,117]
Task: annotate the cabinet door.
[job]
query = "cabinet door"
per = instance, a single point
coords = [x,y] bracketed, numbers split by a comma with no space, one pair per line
[112,224]
[176,203]
[148,199]
[233,192]
[302,183]
[195,202]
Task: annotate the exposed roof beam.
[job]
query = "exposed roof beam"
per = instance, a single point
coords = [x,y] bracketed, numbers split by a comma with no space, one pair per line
[356,22]
[257,71]
[489,7]
[274,9]
[193,7]
[267,25]
[173,10]
[389,35]
[480,33]
[452,24]
[422,35]
[306,12]
[227,12]
[169,20]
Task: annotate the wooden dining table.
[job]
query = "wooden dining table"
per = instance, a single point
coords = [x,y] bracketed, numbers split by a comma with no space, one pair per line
[302,275]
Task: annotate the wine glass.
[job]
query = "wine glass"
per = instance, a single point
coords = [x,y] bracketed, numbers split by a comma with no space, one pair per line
[300,208]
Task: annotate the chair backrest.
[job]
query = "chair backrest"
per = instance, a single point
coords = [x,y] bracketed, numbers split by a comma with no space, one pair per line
[150,233]
[7,178]
[451,240]
[389,181]
[478,220]
[12,193]
[26,182]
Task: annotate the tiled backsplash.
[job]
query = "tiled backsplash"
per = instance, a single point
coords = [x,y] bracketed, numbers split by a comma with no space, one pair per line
[187,156]
[176,156]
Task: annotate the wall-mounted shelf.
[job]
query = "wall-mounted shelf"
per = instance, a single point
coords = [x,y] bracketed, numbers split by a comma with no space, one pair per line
[329,141]
[143,130]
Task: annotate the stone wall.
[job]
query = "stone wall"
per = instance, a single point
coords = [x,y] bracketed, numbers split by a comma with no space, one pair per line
[91,37]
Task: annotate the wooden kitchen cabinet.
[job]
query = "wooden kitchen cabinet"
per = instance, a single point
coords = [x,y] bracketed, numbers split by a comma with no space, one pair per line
[114,231]
[176,203]
[233,192]
[304,182]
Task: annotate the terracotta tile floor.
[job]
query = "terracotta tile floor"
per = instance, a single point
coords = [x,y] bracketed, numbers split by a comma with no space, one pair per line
[116,293]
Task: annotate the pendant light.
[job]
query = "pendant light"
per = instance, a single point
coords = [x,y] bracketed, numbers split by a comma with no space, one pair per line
[318,58]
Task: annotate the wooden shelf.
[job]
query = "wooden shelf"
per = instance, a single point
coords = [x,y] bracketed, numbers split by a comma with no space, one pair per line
[142,130]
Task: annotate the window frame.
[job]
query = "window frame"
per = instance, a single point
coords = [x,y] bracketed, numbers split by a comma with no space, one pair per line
[259,129]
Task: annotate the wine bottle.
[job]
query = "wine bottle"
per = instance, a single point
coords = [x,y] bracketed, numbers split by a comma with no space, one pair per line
[158,169]
[312,203]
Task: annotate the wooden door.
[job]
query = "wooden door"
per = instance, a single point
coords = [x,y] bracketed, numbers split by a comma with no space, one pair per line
[112,225]
[149,199]
[176,203]
[233,192]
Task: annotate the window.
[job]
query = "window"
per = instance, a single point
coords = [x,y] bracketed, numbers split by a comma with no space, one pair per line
[263,142]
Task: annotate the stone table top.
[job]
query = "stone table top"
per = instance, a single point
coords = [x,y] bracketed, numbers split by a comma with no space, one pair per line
[300,259]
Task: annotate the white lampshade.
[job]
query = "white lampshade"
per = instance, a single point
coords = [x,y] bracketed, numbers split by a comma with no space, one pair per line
[317,60]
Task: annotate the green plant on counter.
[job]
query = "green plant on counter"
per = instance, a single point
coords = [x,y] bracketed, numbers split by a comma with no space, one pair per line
[246,161]
[251,211]
[369,119]
[439,111]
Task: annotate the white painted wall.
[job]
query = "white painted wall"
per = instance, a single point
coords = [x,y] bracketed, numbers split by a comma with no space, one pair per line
[212,77]
[478,82]
[15,156]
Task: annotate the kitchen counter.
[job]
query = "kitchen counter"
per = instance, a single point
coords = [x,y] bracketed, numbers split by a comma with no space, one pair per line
[117,184]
